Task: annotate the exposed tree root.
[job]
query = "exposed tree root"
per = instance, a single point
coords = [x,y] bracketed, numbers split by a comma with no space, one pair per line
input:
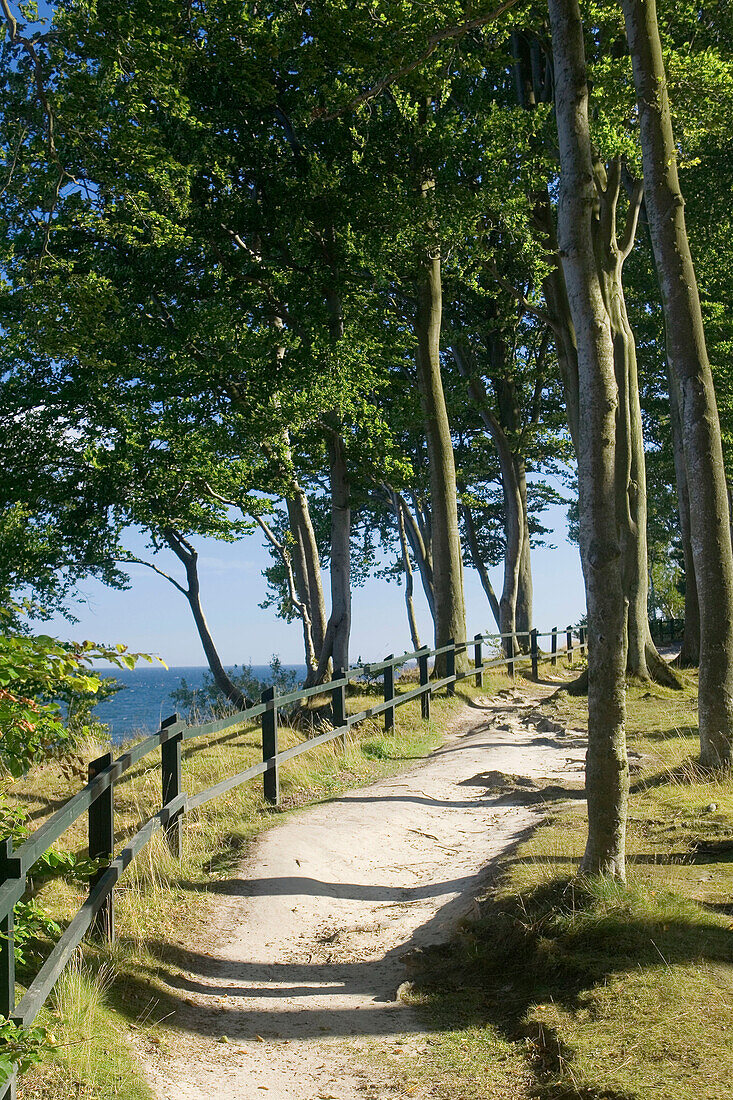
[660,671]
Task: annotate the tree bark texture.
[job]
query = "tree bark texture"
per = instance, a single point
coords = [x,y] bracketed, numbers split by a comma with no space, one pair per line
[687,355]
[607,772]
[450,611]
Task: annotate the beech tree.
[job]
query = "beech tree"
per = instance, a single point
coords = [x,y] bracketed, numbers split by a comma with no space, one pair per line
[687,352]
[607,769]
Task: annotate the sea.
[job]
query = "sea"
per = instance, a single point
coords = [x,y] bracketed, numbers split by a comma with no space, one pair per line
[145,697]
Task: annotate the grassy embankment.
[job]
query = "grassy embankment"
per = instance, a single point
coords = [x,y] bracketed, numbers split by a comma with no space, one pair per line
[116,998]
[565,990]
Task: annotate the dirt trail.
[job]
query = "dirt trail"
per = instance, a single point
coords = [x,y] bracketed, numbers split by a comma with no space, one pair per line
[303,961]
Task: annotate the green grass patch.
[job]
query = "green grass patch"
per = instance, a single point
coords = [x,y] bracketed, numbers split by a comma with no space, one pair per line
[565,989]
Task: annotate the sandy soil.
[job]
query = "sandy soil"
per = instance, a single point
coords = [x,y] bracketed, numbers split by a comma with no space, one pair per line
[311,940]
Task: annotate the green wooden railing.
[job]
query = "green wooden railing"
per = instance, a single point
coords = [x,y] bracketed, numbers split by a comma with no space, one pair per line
[96,799]
[667,630]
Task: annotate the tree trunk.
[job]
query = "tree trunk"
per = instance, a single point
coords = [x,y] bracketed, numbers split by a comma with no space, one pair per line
[607,772]
[689,656]
[450,611]
[307,569]
[643,662]
[188,557]
[525,588]
[407,569]
[416,532]
[513,511]
[338,630]
[480,565]
[558,306]
[687,355]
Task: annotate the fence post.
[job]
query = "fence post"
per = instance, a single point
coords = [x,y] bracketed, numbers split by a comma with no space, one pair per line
[450,665]
[569,639]
[10,871]
[101,828]
[388,677]
[270,779]
[170,777]
[553,646]
[478,659]
[510,651]
[338,703]
[534,651]
[581,636]
[425,683]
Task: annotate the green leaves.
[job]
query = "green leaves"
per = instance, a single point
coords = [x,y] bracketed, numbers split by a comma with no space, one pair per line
[39,675]
[22,1047]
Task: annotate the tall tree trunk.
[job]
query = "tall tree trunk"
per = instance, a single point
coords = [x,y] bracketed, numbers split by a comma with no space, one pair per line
[188,557]
[338,630]
[407,569]
[525,588]
[417,533]
[556,297]
[307,566]
[687,354]
[513,512]
[689,655]
[607,771]
[642,659]
[479,564]
[450,610]
[292,564]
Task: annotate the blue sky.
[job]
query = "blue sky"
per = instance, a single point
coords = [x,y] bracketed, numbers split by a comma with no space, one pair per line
[153,617]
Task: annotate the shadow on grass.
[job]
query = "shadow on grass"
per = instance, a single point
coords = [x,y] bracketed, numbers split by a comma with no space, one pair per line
[555,944]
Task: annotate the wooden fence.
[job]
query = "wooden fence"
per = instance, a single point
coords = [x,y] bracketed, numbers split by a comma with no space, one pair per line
[96,799]
[667,630]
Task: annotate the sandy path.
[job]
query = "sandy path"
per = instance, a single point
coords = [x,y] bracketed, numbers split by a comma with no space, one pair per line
[303,962]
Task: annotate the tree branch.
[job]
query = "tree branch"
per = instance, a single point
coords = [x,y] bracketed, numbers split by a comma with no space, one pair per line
[448,34]
[527,306]
[149,565]
[29,47]
[636,198]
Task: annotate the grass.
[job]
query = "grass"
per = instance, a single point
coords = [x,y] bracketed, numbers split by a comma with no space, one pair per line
[117,997]
[573,990]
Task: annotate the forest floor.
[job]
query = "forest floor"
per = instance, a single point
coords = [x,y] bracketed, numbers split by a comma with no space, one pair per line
[295,990]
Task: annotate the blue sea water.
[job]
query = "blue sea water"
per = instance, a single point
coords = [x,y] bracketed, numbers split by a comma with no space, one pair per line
[145,697]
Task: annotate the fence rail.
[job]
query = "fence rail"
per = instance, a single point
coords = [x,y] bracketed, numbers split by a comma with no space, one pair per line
[96,799]
[667,630]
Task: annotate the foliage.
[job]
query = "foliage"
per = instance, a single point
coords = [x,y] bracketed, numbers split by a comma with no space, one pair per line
[38,676]
[207,701]
[22,1047]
